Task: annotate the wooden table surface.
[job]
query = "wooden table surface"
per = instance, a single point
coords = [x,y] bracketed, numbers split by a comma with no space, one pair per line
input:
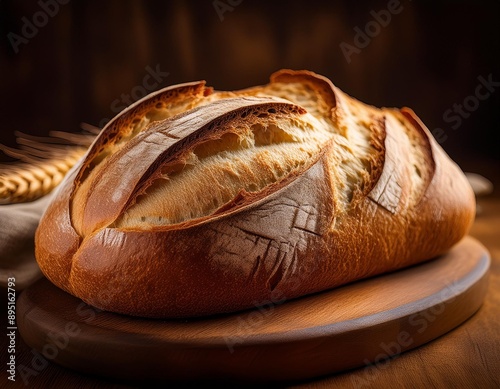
[467,357]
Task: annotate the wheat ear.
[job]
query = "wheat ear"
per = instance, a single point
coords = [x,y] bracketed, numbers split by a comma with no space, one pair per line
[42,163]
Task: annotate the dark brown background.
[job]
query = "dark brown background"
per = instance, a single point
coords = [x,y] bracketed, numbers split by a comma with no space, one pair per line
[429,57]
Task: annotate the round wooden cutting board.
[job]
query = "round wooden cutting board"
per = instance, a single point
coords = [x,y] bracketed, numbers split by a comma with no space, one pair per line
[358,324]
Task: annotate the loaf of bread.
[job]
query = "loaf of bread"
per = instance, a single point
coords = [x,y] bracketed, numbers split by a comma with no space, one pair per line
[196,202]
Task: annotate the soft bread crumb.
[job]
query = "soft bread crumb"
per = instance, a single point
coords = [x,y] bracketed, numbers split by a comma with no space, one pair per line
[128,131]
[352,149]
[244,159]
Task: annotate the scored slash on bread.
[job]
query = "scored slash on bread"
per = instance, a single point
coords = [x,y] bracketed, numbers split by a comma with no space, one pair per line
[195,202]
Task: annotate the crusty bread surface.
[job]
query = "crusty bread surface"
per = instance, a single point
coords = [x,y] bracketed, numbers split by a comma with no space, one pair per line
[196,202]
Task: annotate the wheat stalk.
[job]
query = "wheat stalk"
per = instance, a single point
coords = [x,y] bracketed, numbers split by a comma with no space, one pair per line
[42,163]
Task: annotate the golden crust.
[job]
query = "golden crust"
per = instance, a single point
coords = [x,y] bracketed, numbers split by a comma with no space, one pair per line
[306,232]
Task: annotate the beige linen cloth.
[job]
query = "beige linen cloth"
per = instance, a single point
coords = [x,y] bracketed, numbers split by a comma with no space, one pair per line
[18,223]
